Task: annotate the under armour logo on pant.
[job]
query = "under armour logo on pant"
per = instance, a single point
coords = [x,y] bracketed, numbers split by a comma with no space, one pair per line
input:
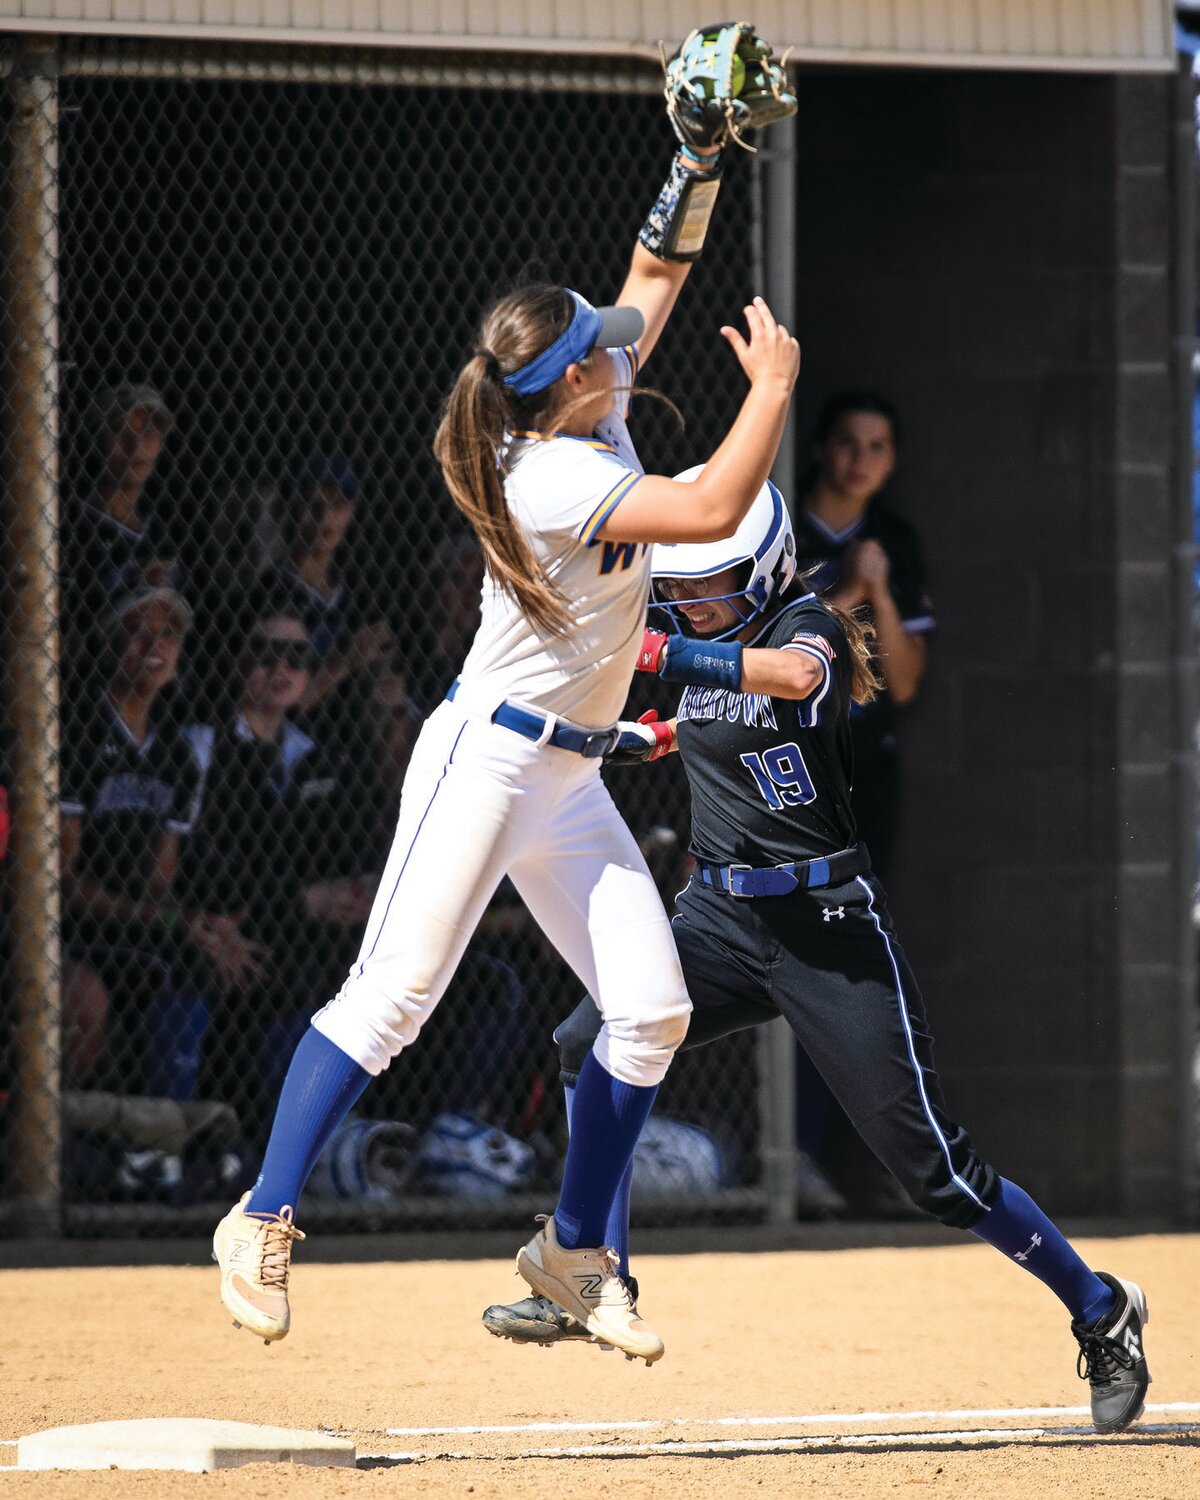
[833,911]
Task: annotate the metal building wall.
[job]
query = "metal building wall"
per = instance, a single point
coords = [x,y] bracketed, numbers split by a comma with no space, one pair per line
[1121,35]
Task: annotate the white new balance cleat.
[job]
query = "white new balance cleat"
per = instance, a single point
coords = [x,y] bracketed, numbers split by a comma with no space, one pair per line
[254,1252]
[585,1283]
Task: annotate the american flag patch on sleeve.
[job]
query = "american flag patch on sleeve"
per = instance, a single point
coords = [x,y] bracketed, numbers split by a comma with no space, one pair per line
[813,642]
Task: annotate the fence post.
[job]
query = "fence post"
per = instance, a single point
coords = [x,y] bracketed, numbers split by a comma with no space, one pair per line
[774,268]
[777,176]
[32,646]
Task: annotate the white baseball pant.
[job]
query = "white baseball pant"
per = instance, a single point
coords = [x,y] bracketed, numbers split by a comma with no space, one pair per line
[481,802]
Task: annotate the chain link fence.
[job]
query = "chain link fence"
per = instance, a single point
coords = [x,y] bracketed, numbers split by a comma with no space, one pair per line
[239,284]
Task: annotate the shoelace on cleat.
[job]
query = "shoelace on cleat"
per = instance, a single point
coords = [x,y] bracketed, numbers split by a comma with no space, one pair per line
[275,1253]
[1100,1358]
[613,1291]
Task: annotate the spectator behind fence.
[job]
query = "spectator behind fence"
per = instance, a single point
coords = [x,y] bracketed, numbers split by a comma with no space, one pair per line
[277,845]
[114,539]
[132,1019]
[311,583]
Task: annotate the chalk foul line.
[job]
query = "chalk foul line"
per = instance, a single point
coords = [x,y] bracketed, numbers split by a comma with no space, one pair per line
[806,1419]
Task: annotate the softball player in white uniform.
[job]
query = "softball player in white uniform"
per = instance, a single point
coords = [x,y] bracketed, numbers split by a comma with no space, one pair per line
[505,775]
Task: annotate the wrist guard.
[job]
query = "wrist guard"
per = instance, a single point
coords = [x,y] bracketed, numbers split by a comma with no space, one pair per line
[697,663]
[677,224]
[650,653]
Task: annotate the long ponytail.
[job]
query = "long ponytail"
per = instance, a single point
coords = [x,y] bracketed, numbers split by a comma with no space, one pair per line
[470,445]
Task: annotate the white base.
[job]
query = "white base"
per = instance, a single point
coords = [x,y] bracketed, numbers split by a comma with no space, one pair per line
[195,1444]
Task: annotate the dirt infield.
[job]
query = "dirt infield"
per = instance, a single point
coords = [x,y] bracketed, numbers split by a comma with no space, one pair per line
[852,1372]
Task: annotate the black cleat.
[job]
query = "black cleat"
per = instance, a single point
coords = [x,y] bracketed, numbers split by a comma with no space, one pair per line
[1112,1357]
[537,1320]
[533,1320]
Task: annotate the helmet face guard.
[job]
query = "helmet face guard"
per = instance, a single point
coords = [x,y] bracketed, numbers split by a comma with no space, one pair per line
[747,603]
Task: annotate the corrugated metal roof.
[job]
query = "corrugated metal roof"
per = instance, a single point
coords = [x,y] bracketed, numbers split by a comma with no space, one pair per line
[1092,34]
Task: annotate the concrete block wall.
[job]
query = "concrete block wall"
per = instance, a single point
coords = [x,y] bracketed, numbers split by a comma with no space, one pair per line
[994,252]
[1150,780]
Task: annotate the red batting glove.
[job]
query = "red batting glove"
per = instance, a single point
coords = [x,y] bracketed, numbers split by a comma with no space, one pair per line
[650,656]
[662,734]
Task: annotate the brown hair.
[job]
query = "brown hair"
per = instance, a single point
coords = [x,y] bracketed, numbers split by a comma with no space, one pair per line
[865,681]
[469,444]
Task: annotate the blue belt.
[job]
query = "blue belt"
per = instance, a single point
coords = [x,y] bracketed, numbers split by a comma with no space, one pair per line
[781,880]
[591,743]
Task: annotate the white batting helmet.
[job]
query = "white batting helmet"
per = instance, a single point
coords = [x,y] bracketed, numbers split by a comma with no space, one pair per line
[764,543]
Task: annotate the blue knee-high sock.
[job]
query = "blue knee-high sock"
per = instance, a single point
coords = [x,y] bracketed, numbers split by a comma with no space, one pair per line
[616,1231]
[1017,1227]
[321,1087]
[606,1119]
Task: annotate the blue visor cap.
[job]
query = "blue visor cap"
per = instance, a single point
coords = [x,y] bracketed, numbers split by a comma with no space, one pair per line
[590,328]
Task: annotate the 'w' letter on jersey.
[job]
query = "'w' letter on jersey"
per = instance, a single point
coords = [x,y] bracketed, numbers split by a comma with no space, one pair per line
[618,552]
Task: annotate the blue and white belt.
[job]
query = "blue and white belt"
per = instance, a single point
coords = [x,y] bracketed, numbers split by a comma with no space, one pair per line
[746,881]
[546,729]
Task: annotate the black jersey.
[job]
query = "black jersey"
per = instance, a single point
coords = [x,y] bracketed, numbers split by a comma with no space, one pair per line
[823,550]
[770,777]
[102,557]
[126,794]
[821,553]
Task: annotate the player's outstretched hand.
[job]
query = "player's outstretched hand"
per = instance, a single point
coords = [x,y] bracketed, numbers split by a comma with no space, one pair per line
[770,353]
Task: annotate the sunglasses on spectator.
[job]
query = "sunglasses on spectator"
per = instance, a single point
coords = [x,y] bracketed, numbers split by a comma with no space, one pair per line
[295,654]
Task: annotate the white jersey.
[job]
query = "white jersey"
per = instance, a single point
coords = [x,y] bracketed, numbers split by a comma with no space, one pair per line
[561,490]
[481,802]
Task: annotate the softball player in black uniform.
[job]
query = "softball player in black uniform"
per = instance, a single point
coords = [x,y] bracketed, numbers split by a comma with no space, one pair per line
[784,917]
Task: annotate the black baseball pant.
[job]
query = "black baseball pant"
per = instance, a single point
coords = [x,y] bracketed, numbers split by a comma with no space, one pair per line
[829,962]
